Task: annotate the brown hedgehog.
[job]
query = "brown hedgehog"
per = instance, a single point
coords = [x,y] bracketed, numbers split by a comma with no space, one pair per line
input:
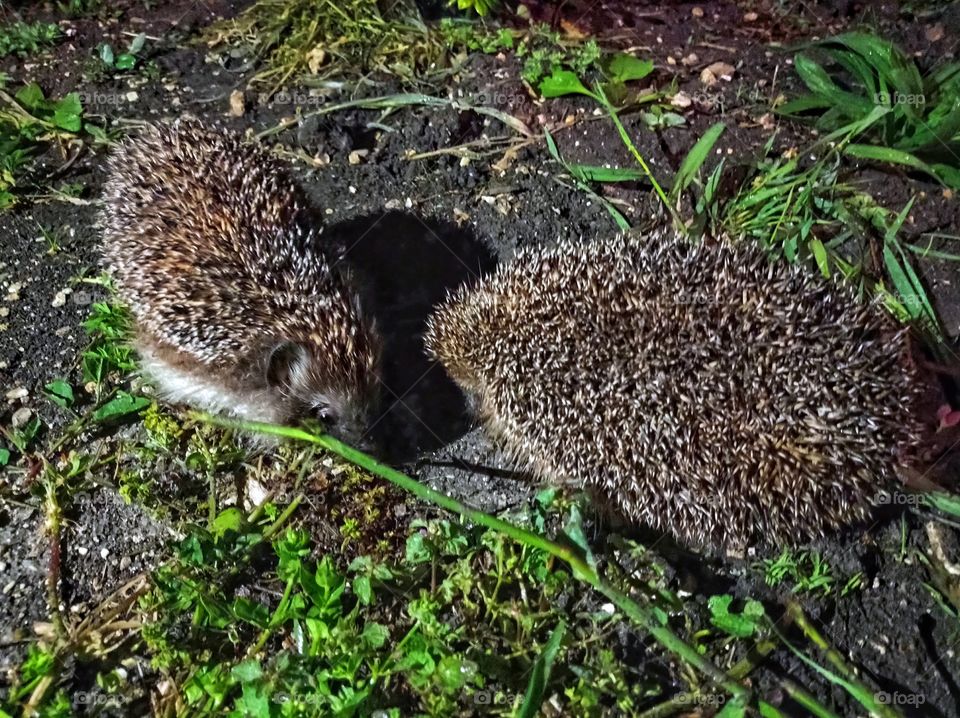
[698,389]
[237,307]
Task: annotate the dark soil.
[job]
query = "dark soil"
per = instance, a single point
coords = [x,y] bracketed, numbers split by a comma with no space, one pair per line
[416,229]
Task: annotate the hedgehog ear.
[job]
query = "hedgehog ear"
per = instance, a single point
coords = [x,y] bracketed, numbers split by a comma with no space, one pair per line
[286,361]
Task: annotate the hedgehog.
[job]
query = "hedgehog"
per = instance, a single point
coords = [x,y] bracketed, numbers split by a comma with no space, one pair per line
[701,390]
[239,307]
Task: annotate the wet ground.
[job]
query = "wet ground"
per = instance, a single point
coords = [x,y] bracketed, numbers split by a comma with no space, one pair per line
[421,219]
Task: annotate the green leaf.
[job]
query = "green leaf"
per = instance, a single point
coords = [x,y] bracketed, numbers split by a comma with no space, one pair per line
[4,456]
[820,255]
[362,589]
[31,96]
[67,112]
[126,61]
[695,158]
[734,708]
[540,675]
[948,503]
[375,635]
[890,155]
[593,173]
[106,54]
[60,393]
[563,82]
[23,437]
[136,45]
[252,612]
[230,519]
[122,405]
[739,625]
[624,68]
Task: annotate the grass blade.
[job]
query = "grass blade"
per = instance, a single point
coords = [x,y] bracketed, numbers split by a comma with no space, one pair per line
[536,687]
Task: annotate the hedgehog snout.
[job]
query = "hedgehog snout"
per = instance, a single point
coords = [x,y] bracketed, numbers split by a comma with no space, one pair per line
[344,417]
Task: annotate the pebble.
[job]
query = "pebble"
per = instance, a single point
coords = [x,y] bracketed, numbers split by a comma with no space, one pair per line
[20,417]
[60,298]
[18,393]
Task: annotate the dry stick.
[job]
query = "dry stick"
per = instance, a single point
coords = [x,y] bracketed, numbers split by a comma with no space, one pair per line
[53,523]
[582,570]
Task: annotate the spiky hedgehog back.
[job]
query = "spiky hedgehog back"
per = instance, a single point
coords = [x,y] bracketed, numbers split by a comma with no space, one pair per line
[216,251]
[700,389]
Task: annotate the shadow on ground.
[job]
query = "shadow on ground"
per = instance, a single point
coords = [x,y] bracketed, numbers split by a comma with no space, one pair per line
[406,266]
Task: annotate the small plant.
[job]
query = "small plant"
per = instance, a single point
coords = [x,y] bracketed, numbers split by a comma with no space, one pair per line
[20,38]
[861,76]
[809,573]
[26,119]
[108,351]
[125,60]
[481,7]
[79,8]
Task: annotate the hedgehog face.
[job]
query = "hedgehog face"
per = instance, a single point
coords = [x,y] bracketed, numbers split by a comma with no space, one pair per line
[336,390]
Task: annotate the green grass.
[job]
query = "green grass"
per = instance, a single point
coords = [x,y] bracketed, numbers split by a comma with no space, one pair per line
[23,39]
[853,75]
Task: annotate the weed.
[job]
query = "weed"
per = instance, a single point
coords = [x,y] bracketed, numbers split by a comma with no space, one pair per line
[51,238]
[481,7]
[865,74]
[20,38]
[108,350]
[295,37]
[808,571]
[28,119]
[125,60]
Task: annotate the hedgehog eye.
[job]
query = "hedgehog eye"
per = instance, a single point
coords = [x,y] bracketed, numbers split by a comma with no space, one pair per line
[325,414]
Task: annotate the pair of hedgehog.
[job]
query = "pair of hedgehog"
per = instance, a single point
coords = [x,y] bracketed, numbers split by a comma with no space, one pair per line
[699,389]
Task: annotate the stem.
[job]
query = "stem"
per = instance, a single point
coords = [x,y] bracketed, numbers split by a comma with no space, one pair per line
[628,142]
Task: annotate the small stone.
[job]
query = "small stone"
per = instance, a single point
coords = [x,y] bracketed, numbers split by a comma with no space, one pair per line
[392,204]
[750,17]
[82,550]
[238,104]
[315,59]
[681,100]
[690,60]
[104,552]
[357,156]
[722,70]
[20,417]
[60,298]
[132,96]
[697,12]
[934,33]
[17,393]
